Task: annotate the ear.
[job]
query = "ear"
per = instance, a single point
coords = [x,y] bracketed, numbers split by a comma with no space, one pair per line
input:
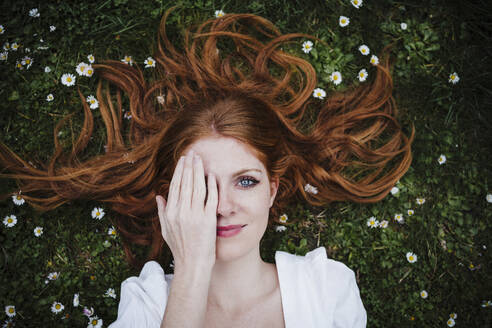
[273,189]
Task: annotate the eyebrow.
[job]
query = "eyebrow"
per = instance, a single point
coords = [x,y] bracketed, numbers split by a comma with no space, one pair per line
[244,171]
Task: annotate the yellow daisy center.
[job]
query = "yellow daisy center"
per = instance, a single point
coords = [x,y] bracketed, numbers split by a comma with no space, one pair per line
[93,101]
[94,322]
[93,277]
[318,94]
[453,77]
[343,21]
[9,220]
[361,74]
[363,50]
[356,2]
[335,77]
[11,310]
[19,65]
[89,72]
[113,232]
[411,258]
[98,213]
[57,306]
[19,197]
[412,318]
[69,79]
[28,61]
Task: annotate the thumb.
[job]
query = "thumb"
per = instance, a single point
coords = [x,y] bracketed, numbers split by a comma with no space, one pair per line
[161,204]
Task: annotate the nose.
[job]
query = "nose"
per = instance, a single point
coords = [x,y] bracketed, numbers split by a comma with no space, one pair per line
[225,206]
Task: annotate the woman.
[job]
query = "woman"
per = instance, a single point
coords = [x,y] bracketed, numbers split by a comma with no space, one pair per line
[229,141]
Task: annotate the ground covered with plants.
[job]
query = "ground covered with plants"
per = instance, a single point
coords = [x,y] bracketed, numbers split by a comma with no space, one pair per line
[422,256]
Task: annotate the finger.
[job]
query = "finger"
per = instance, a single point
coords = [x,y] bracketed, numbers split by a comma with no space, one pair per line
[161,205]
[198,199]
[175,185]
[212,199]
[186,183]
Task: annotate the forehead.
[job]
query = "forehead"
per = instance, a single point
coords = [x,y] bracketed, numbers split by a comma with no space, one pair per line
[226,155]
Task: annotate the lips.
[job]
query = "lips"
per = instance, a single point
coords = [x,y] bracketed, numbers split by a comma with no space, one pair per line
[230,227]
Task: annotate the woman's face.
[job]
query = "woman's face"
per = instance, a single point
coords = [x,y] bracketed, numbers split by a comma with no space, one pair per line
[245,194]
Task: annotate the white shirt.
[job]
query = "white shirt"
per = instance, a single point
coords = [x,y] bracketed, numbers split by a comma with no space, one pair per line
[315,291]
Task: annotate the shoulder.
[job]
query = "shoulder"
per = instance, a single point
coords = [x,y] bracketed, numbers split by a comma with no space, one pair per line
[326,285]
[143,298]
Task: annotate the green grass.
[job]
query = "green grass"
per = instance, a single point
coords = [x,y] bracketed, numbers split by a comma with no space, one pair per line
[450,232]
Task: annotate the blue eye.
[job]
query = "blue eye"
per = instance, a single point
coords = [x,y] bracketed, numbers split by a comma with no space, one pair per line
[247,182]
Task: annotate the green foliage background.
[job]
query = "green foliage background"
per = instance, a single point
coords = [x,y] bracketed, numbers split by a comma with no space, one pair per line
[450,232]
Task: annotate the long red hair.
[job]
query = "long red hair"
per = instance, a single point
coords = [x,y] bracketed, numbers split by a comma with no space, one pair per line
[354,148]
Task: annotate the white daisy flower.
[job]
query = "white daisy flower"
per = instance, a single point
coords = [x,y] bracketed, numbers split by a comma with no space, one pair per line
[91,58]
[486,303]
[383,224]
[52,28]
[489,198]
[453,316]
[411,257]
[394,190]
[2,29]
[92,102]
[319,93]
[90,71]
[87,312]
[6,46]
[128,60]
[110,293]
[219,13]
[307,46]
[343,21]
[403,26]
[10,221]
[27,61]
[280,228]
[454,78]
[420,201]
[34,12]
[161,99]
[336,78]
[28,49]
[53,275]
[95,322]
[97,213]
[372,222]
[38,231]
[112,231]
[362,75]
[310,189]
[283,218]
[18,200]
[356,3]
[76,299]
[19,66]
[127,115]
[57,307]
[374,60]
[4,55]
[68,79]
[47,69]
[441,159]
[50,97]
[424,294]
[410,212]
[399,218]
[10,310]
[149,62]
[364,50]
[450,322]
[81,68]
[15,46]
